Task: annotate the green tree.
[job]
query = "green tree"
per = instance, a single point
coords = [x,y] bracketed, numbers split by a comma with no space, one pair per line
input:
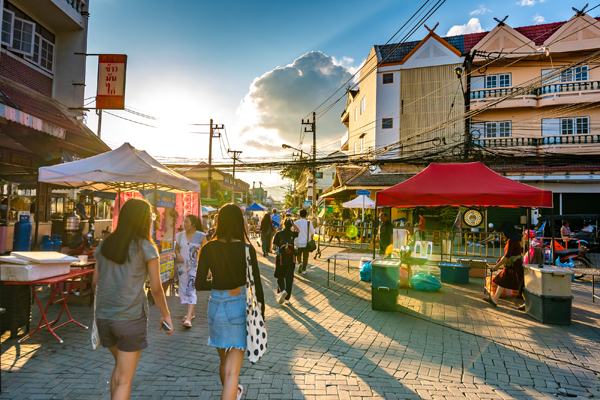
[216,192]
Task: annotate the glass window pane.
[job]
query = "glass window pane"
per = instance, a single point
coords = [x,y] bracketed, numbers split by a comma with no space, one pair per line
[387,123]
[582,126]
[566,126]
[490,129]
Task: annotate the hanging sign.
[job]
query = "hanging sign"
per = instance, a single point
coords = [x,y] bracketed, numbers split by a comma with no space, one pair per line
[111,81]
[363,192]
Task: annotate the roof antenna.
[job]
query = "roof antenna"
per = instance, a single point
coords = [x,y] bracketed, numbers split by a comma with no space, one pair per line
[501,23]
[431,30]
[578,12]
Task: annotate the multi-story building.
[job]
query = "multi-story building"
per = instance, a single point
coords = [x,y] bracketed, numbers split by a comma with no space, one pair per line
[533,90]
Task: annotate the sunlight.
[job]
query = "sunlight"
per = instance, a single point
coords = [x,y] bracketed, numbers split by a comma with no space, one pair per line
[17,356]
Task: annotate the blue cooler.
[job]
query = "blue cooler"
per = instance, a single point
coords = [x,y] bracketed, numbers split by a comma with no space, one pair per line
[453,273]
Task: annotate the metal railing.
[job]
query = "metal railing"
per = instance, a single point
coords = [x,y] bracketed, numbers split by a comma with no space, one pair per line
[575,139]
[559,87]
[78,5]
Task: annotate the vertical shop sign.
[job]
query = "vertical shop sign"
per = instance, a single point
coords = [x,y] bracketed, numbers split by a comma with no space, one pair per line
[111,81]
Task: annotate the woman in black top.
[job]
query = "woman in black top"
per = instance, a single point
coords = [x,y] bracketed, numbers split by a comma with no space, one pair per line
[285,260]
[225,256]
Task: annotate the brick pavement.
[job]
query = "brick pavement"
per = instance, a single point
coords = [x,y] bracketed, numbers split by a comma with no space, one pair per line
[329,344]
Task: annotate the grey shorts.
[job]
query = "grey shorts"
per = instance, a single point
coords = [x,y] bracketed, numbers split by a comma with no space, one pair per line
[129,336]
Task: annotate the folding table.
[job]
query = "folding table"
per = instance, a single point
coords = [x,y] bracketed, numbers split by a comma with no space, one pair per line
[74,273]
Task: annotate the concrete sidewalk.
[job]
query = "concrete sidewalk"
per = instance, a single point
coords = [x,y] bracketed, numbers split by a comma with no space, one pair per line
[330,344]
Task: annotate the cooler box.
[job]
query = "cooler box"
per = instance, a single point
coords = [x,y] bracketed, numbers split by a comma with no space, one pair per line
[32,272]
[384,298]
[453,273]
[548,309]
[385,273]
[547,281]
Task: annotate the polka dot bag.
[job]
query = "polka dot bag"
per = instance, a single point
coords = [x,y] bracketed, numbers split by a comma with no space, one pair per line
[256,331]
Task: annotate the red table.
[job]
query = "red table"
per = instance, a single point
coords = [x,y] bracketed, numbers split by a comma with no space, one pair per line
[75,273]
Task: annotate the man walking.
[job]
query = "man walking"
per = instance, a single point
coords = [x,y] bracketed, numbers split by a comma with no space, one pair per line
[305,233]
[386,231]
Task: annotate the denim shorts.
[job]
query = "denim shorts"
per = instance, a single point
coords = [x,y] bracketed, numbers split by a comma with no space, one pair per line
[227,318]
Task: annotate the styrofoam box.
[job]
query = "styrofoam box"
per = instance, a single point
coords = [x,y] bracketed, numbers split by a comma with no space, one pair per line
[32,272]
[547,281]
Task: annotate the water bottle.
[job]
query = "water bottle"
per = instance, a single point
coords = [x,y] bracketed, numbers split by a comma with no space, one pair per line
[47,244]
[22,235]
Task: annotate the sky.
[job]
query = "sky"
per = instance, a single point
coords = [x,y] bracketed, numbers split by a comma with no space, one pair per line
[256,67]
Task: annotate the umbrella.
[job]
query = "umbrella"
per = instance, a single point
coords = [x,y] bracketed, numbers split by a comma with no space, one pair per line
[208,209]
[361,201]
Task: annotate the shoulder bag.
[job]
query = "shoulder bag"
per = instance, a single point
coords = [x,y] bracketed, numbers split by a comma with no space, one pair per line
[256,330]
[310,245]
[96,342]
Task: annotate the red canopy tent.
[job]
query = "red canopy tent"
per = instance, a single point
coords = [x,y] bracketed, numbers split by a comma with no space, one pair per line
[469,184]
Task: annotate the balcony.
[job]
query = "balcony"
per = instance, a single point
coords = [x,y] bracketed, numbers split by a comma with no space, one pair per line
[62,14]
[559,143]
[552,94]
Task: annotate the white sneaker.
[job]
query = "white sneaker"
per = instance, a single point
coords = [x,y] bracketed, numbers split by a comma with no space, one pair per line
[287,303]
[304,272]
[282,296]
[239,392]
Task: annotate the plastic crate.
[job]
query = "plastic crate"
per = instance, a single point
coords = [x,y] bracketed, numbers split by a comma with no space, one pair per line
[385,273]
[384,298]
[548,309]
[16,299]
[453,273]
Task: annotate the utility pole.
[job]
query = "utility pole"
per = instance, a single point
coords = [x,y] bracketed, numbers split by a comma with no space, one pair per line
[262,194]
[312,127]
[212,134]
[235,153]
[467,100]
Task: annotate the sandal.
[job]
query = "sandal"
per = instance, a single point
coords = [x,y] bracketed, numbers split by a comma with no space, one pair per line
[187,324]
[184,318]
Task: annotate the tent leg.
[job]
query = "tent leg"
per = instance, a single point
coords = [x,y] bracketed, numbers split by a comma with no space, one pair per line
[552,235]
[375,226]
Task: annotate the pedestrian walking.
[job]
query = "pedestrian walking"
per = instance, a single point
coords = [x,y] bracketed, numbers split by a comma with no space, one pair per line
[512,274]
[285,260]
[265,233]
[305,232]
[124,260]
[187,246]
[225,257]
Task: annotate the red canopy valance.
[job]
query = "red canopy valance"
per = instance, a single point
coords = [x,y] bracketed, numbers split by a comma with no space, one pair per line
[470,184]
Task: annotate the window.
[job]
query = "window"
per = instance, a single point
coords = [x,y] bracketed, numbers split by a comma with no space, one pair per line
[7,27]
[575,74]
[319,175]
[497,129]
[23,33]
[497,81]
[355,113]
[579,126]
[43,53]
[388,78]
[362,142]
[355,147]
[387,123]
[362,106]
[333,175]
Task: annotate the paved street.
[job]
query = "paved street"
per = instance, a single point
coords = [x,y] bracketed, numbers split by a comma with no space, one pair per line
[329,344]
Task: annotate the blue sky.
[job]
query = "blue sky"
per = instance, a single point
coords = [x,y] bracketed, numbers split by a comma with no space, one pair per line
[189,61]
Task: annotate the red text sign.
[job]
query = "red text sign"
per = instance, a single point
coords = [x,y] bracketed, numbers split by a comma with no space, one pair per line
[111,81]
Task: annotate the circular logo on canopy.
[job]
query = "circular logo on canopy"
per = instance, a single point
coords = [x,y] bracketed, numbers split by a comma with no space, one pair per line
[473,217]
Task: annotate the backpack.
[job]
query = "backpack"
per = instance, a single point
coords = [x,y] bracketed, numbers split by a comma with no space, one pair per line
[287,254]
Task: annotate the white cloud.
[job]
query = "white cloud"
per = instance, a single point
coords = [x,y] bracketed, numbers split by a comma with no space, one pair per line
[480,11]
[271,112]
[529,3]
[538,19]
[472,26]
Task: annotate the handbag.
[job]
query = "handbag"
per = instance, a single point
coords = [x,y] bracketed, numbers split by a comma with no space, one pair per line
[256,330]
[96,342]
[311,245]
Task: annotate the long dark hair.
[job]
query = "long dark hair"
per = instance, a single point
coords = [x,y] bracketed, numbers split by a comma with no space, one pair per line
[230,224]
[287,225]
[134,223]
[266,221]
[197,222]
[509,230]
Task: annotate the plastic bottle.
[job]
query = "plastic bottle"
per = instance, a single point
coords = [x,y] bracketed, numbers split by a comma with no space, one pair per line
[22,236]
[47,244]
[57,239]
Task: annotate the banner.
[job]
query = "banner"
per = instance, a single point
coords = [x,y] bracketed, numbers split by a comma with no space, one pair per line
[111,81]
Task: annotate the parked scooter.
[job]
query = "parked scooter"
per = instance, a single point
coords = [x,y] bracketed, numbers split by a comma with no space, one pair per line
[578,256]
[85,246]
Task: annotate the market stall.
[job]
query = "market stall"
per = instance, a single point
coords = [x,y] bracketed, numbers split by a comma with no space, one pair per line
[133,173]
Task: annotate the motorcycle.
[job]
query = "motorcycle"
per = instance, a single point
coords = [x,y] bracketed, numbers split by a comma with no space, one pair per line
[85,246]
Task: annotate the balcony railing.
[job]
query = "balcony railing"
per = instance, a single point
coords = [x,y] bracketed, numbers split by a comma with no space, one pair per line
[540,93]
[77,5]
[539,141]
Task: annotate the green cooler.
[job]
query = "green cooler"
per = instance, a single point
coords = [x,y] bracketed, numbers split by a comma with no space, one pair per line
[385,281]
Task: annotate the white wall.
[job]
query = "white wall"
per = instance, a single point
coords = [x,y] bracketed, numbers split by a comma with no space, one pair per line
[388,106]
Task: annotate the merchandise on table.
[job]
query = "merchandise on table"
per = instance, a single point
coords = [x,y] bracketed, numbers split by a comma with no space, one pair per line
[547,281]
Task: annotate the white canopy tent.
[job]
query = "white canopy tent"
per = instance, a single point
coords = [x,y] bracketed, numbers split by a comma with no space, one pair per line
[122,169]
[361,201]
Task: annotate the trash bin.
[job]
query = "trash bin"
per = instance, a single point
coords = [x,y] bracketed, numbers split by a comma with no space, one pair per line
[385,273]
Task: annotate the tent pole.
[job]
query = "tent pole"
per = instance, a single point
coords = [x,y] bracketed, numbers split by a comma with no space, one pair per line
[528,220]
[552,235]
[375,225]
